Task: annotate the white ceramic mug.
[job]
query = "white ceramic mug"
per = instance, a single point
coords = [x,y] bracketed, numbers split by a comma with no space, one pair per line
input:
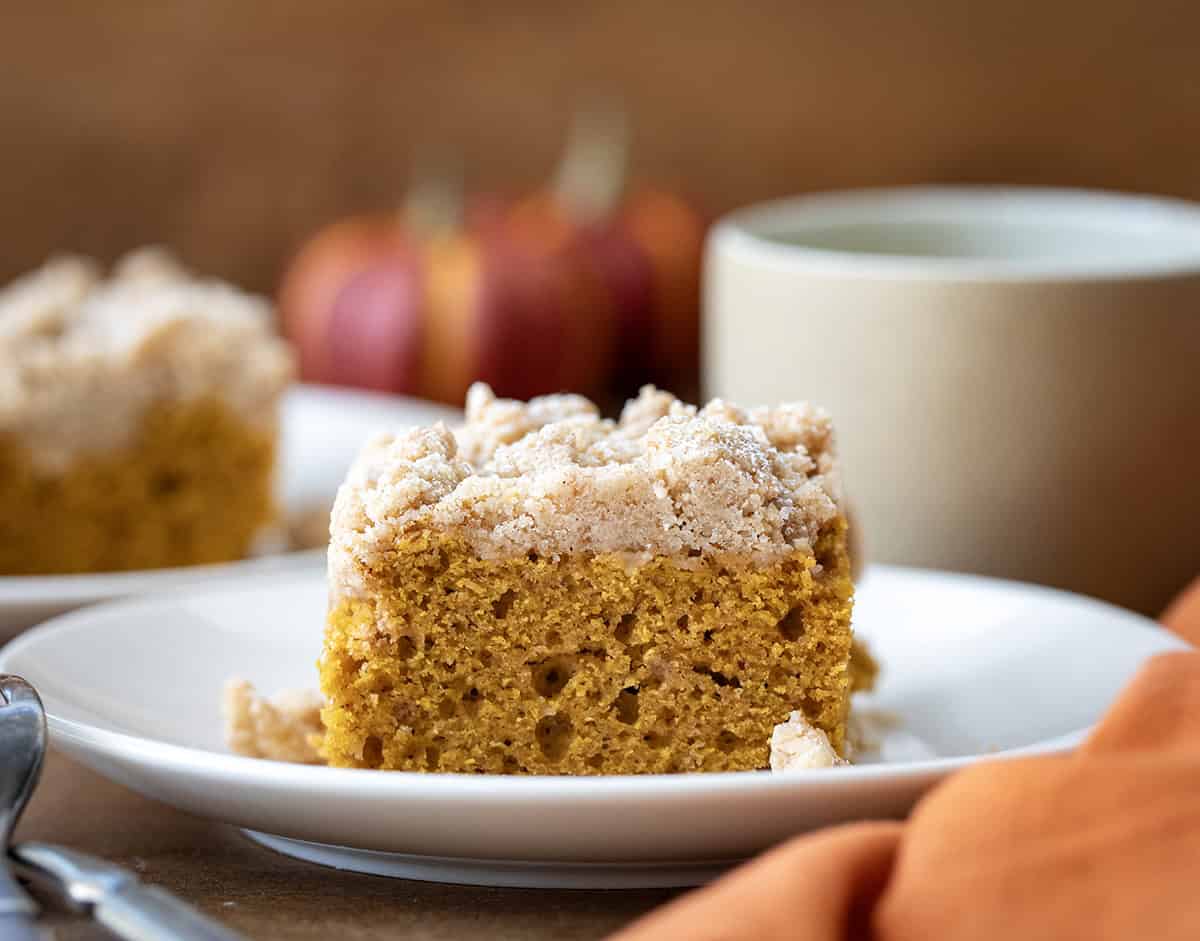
[1014,372]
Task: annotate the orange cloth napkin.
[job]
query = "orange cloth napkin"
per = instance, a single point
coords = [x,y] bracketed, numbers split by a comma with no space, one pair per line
[1103,844]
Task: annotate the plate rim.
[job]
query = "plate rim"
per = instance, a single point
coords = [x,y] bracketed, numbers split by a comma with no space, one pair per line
[173,758]
[121,585]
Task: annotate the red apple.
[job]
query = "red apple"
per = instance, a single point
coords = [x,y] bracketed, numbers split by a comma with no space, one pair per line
[544,325]
[372,305]
[515,309]
[373,332]
[319,272]
[646,255]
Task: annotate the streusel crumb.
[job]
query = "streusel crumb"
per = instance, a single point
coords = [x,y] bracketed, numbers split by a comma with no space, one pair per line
[83,358]
[554,478]
[286,728]
[797,745]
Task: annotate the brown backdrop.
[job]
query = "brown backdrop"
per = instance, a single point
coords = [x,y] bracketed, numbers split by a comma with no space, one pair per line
[231,128]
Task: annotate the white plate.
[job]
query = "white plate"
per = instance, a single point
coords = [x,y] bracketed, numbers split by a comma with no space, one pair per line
[972,667]
[323,429]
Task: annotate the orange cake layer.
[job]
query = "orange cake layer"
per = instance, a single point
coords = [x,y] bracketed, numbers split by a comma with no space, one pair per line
[194,486]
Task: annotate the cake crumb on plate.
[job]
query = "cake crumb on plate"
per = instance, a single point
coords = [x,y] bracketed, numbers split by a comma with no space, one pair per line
[798,746]
[286,728]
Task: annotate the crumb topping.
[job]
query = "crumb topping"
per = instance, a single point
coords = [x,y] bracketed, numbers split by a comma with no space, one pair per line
[287,728]
[796,745]
[553,477]
[83,357]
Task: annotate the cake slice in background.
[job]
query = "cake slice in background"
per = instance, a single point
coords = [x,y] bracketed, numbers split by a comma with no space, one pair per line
[138,418]
[550,592]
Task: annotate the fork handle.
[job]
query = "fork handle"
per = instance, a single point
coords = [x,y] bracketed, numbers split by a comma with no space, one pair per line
[17,911]
[138,912]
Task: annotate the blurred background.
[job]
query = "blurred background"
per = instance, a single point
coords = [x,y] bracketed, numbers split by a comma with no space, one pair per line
[231,130]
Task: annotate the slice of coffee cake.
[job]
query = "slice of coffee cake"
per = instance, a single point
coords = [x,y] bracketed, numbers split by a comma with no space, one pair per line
[550,592]
[138,418]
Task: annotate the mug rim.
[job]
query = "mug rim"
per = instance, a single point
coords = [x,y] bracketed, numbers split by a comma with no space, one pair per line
[1170,226]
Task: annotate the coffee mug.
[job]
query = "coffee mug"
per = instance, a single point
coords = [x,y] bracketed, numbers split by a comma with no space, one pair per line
[1014,373]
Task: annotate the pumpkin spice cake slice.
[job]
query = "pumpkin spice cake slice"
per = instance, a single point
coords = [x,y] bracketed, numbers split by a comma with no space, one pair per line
[550,592]
[138,418]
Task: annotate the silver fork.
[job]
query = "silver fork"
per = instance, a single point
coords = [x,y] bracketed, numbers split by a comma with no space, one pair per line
[22,747]
[115,897]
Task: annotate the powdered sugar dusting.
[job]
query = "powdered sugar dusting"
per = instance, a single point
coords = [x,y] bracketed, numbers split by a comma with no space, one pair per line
[553,477]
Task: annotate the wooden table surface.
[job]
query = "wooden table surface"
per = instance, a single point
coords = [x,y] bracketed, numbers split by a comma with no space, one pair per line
[266,896]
